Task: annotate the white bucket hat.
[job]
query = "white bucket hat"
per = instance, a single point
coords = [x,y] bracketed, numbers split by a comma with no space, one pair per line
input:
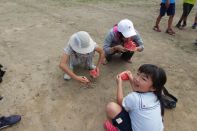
[81,42]
[125,26]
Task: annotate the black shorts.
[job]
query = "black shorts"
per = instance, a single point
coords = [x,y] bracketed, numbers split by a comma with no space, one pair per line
[187,8]
[122,121]
[127,55]
[170,10]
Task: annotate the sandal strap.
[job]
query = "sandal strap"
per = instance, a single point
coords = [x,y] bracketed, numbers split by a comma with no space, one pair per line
[156,28]
[170,31]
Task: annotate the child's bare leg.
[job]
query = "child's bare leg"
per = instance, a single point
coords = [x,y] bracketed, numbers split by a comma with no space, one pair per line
[169,30]
[158,21]
[112,110]
[195,22]
[156,27]
[170,20]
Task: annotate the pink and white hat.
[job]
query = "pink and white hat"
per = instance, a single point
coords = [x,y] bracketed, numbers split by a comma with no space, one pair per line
[126,27]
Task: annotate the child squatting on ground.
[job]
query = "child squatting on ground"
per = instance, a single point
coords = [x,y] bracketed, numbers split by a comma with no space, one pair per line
[80,50]
[142,109]
[167,6]
[124,39]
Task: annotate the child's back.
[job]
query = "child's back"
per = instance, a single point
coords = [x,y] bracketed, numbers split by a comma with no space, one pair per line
[144,110]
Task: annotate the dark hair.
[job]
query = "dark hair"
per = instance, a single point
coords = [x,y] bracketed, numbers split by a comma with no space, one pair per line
[158,77]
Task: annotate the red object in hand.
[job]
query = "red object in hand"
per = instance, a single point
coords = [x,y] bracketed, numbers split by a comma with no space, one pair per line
[124,76]
[94,73]
[130,46]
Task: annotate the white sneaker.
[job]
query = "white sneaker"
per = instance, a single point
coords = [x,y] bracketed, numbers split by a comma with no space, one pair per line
[66,77]
[92,67]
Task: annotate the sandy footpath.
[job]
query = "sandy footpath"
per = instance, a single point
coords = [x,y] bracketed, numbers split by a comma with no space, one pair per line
[32,36]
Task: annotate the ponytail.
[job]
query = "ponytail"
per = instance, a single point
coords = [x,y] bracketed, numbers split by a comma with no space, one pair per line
[159,96]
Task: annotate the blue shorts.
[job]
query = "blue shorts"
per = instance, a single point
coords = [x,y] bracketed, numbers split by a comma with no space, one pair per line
[122,121]
[170,10]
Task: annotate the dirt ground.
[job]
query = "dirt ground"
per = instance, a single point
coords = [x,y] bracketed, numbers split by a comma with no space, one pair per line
[32,36]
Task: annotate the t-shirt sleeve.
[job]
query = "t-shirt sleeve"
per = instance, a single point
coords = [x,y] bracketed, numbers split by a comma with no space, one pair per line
[130,102]
[67,50]
[96,45]
[137,38]
[107,43]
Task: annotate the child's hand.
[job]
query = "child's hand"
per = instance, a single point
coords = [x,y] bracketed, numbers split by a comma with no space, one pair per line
[95,73]
[124,75]
[120,48]
[167,4]
[119,80]
[130,75]
[83,79]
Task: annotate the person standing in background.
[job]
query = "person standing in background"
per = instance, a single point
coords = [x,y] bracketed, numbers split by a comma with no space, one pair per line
[167,6]
[187,7]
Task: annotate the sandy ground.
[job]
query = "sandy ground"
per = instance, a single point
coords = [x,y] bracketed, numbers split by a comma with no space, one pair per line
[32,36]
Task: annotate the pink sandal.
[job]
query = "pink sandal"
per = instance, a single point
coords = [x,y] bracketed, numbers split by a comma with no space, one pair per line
[109,126]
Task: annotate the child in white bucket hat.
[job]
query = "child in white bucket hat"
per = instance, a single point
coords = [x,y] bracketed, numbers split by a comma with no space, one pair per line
[120,34]
[80,50]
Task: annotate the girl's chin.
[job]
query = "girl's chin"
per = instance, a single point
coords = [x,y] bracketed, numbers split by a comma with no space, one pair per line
[135,88]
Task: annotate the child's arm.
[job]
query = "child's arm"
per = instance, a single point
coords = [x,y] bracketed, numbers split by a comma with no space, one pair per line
[138,40]
[64,67]
[139,48]
[119,90]
[167,3]
[101,55]
[108,48]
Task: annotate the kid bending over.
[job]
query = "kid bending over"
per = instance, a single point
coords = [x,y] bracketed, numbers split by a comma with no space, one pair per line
[80,50]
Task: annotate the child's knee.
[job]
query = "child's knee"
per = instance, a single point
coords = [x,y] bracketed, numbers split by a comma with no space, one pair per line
[171,16]
[113,109]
